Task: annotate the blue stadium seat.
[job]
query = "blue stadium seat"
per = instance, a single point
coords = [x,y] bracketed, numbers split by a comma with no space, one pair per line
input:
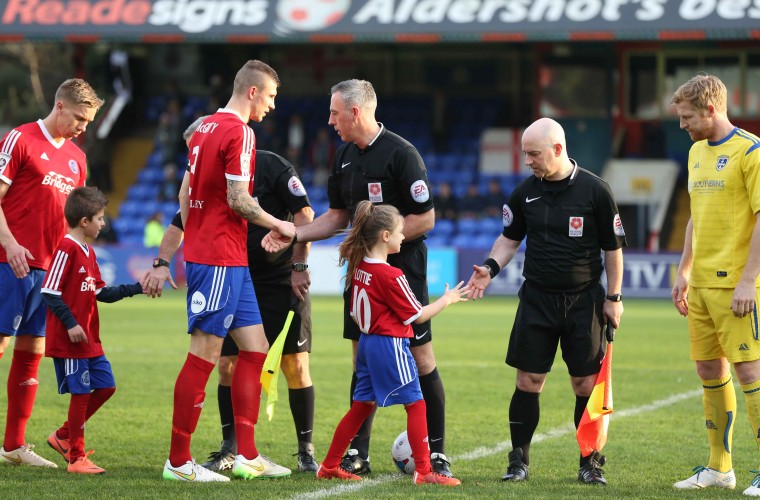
[491,226]
[443,228]
[468,227]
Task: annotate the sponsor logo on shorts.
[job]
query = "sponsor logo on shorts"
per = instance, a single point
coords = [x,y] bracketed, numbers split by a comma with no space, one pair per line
[197,303]
[418,337]
[228,320]
[301,342]
[17,322]
[85,378]
[743,347]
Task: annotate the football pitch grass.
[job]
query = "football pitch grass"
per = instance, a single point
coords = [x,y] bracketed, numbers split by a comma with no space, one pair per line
[656,433]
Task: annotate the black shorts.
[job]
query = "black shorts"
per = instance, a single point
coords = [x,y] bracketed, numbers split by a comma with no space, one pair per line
[274,304]
[546,319]
[413,261]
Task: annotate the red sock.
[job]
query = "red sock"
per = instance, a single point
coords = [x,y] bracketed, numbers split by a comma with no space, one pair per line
[345,432]
[416,430]
[77,418]
[189,393]
[246,397]
[1,354]
[22,389]
[97,398]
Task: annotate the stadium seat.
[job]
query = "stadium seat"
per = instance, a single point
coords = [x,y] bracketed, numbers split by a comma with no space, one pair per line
[468,227]
[443,228]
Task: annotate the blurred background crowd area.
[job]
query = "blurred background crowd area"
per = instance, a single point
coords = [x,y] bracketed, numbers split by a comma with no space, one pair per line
[611,98]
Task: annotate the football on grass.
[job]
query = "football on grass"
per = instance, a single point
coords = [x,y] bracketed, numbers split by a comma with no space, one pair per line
[401,453]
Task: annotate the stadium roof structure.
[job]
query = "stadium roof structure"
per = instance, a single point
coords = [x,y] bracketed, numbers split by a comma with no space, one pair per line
[397,21]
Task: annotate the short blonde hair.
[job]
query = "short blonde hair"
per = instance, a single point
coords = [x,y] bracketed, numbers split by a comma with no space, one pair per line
[254,73]
[77,91]
[701,91]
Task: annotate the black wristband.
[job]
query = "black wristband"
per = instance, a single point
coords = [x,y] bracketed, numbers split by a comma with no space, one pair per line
[493,267]
[295,238]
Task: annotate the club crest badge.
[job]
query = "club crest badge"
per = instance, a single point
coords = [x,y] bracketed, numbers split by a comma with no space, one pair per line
[722,163]
[73,166]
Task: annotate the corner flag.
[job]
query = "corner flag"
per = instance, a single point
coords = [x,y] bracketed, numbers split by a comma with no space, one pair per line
[592,430]
[270,372]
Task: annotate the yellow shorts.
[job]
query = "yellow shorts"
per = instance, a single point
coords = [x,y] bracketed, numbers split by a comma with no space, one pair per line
[714,330]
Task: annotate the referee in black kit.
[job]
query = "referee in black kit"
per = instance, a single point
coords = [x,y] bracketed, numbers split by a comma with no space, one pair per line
[377,165]
[569,217]
[281,282]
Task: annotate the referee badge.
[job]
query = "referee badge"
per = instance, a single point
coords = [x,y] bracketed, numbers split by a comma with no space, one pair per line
[576,227]
[506,215]
[375,192]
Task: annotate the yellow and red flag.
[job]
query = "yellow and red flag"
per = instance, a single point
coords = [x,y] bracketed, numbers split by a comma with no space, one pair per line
[592,430]
[270,373]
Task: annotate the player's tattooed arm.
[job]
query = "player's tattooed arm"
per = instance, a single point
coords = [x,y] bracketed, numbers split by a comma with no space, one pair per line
[241,202]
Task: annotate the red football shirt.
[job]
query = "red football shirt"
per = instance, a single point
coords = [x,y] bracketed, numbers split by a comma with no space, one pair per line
[222,149]
[382,302]
[41,174]
[75,276]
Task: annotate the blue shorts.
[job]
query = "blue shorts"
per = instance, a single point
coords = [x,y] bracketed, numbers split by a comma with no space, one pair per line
[22,311]
[83,375]
[385,371]
[220,299]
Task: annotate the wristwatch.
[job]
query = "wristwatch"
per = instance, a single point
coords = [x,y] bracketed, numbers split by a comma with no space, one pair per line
[299,267]
[617,297]
[158,262]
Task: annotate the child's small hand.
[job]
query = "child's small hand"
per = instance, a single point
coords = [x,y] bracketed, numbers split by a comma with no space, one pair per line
[77,335]
[457,294]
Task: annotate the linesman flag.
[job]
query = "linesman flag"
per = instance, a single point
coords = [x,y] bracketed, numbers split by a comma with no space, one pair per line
[271,371]
[592,430]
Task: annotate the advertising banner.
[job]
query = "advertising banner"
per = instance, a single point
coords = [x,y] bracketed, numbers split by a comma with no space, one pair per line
[260,21]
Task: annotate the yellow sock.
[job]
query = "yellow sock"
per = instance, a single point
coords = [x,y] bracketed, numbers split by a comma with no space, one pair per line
[719,402]
[752,396]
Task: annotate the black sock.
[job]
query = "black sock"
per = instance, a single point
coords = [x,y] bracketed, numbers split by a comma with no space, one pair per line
[361,440]
[435,400]
[580,407]
[524,412]
[302,408]
[227,417]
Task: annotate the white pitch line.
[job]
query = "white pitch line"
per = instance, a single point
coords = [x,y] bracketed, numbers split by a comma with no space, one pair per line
[487,451]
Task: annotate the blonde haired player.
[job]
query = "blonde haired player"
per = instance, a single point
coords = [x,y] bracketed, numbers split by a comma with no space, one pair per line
[716,284]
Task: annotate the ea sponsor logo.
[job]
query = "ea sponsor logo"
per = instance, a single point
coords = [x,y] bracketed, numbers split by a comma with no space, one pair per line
[506,215]
[309,15]
[85,378]
[228,320]
[16,322]
[420,191]
[295,187]
[197,303]
[618,226]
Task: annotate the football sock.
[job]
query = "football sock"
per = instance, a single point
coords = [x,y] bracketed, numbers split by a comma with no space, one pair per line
[435,400]
[302,408]
[246,397]
[189,394]
[77,418]
[226,415]
[22,389]
[752,397]
[524,412]
[360,441]
[417,433]
[346,429]
[97,398]
[719,401]
[580,407]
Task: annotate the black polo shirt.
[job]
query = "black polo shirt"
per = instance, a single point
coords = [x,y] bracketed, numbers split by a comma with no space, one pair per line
[388,171]
[279,191]
[567,224]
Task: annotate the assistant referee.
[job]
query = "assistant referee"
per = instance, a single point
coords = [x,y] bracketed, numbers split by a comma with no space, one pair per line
[568,216]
